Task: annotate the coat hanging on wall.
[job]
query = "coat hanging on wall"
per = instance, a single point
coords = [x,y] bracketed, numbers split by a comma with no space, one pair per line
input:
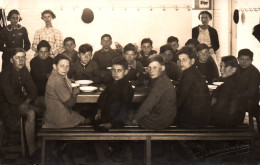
[2,19]
[243,17]
[236,16]
[256,32]
[87,15]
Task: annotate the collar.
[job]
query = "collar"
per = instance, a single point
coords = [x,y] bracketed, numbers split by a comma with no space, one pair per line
[103,51]
[133,65]
[190,69]
[10,28]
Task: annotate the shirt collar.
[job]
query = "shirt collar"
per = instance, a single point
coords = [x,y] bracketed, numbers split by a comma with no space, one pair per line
[133,65]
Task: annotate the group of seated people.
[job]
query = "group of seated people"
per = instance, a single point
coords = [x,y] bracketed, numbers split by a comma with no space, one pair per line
[177,81]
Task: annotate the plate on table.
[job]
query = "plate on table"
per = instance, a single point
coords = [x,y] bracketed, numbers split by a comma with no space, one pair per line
[212,86]
[218,83]
[84,82]
[88,88]
[73,85]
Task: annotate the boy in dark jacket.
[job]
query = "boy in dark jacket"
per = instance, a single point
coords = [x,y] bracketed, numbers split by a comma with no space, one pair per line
[114,103]
[159,108]
[193,97]
[85,68]
[135,73]
[228,104]
[172,70]
[250,77]
[207,68]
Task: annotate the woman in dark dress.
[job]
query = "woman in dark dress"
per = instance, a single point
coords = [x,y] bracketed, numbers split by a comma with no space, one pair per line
[13,36]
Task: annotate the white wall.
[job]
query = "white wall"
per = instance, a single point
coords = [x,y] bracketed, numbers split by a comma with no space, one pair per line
[122,19]
[245,39]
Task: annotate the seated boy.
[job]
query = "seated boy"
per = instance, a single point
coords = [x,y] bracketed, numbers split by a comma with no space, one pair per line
[17,91]
[172,70]
[174,43]
[207,68]
[251,79]
[69,45]
[41,67]
[85,68]
[228,104]
[114,103]
[104,57]
[146,51]
[192,93]
[135,73]
[159,108]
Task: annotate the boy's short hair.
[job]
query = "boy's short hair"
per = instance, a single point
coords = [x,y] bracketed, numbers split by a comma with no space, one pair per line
[43,43]
[230,61]
[60,57]
[49,12]
[69,39]
[201,47]
[187,50]
[14,51]
[147,40]
[164,48]
[120,61]
[157,58]
[193,42]
[205,12]
[13,12]
[85,48]
[106,35]
[130,47]
[172,39]
[246,52]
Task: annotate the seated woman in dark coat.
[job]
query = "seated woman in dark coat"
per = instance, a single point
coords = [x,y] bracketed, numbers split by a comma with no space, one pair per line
[228,103]
[193,97]
[159,108]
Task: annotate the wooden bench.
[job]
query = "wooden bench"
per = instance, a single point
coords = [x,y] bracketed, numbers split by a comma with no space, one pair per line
[243,132]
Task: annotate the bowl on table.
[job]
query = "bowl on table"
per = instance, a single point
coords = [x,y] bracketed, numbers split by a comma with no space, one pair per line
[218,83]
[84,82]
[88,88]
[212,87]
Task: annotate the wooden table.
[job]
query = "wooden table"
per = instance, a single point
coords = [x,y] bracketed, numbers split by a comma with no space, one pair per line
[92,97]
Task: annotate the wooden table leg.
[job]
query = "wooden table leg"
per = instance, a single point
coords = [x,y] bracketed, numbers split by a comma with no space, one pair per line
[43,152]
[148,151]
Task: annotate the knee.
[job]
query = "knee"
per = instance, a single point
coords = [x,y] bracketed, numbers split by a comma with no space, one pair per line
[30,115]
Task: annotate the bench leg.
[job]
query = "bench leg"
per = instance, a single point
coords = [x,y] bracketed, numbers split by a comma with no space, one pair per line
[43,152]
[22,137]
[148,151]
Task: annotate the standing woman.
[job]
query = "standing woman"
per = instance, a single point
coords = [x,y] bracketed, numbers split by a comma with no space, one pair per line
[48,33]
[205,33]
[13,36]
[60,97]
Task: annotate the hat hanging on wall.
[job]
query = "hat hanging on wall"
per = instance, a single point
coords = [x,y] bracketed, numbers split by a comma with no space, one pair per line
[256,32]
[243,17]
[236,16]
[87,15]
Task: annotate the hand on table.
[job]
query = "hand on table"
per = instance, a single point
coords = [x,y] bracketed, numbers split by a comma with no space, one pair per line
[75,91]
